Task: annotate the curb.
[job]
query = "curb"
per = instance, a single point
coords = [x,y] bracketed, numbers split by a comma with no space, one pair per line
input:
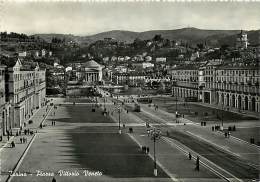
[26,149]
[43,120]
[9,178]
[240,140]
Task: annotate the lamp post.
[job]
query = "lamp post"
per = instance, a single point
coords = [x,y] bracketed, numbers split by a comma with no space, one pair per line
[176,109]
[155,136]
[119,129]
[104,103]
[222,117]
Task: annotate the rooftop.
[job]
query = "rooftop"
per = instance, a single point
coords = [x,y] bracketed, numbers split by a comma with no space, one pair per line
[91,64]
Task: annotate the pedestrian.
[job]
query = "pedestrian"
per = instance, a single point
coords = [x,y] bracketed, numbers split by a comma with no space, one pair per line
[21,140]
[12,144]
[229,134]
[212,128]
[190,156]
[54,123]
[25,131]
[147,150]
[198,163]
[28,131]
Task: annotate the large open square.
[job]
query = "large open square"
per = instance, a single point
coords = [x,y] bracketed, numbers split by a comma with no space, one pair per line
[75,144]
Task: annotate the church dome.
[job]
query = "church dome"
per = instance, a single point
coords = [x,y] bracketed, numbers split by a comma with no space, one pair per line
[91,64]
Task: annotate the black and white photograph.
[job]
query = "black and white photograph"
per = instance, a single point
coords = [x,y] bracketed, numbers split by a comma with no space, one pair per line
[129,91]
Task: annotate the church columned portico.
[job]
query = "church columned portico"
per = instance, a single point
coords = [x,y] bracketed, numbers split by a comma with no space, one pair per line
[89,73]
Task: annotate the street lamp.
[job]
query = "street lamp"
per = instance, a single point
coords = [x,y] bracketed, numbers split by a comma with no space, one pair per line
[222,117]
[119,129]
[176,109]
[104,103]
[155,136]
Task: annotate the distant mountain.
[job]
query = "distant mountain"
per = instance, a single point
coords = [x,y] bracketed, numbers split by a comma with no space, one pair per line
[191,35]
[67,37]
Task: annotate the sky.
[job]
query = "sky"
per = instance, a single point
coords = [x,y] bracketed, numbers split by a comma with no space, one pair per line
[86,18]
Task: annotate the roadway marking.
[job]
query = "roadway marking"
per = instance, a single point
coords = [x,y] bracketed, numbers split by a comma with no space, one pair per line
[21,159]
[172,176]
[221,147]
[205,165]
[25,152]
[210,168]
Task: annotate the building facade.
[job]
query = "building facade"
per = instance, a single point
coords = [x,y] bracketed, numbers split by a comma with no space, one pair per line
[131,79]
[236,88]
[185,82]
[229,87]
[4,110]
[89,72]
[25,91]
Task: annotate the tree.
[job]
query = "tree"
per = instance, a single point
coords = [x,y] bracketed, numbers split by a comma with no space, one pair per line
[157,38]
[200,46]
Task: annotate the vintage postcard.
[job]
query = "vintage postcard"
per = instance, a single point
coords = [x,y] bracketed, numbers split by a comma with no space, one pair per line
[129,91]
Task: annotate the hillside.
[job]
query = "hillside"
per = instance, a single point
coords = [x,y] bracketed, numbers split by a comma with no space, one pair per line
[191,35]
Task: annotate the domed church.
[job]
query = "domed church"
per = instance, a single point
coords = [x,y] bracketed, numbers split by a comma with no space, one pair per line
[90,72]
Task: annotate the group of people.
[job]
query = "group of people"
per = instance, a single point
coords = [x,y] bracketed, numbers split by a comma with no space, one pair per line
[28,132]
[53,123]
[145,149]
[23,140]
[197,161]
[216,128]
[227,134]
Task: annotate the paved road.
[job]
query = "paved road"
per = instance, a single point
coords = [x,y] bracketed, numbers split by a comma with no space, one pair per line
[233,164]
[79,142]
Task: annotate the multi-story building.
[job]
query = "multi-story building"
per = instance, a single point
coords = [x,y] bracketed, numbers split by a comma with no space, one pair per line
[132,79]
[237,87]
[226,86]
[25,90]
[185,81]
[4,109]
